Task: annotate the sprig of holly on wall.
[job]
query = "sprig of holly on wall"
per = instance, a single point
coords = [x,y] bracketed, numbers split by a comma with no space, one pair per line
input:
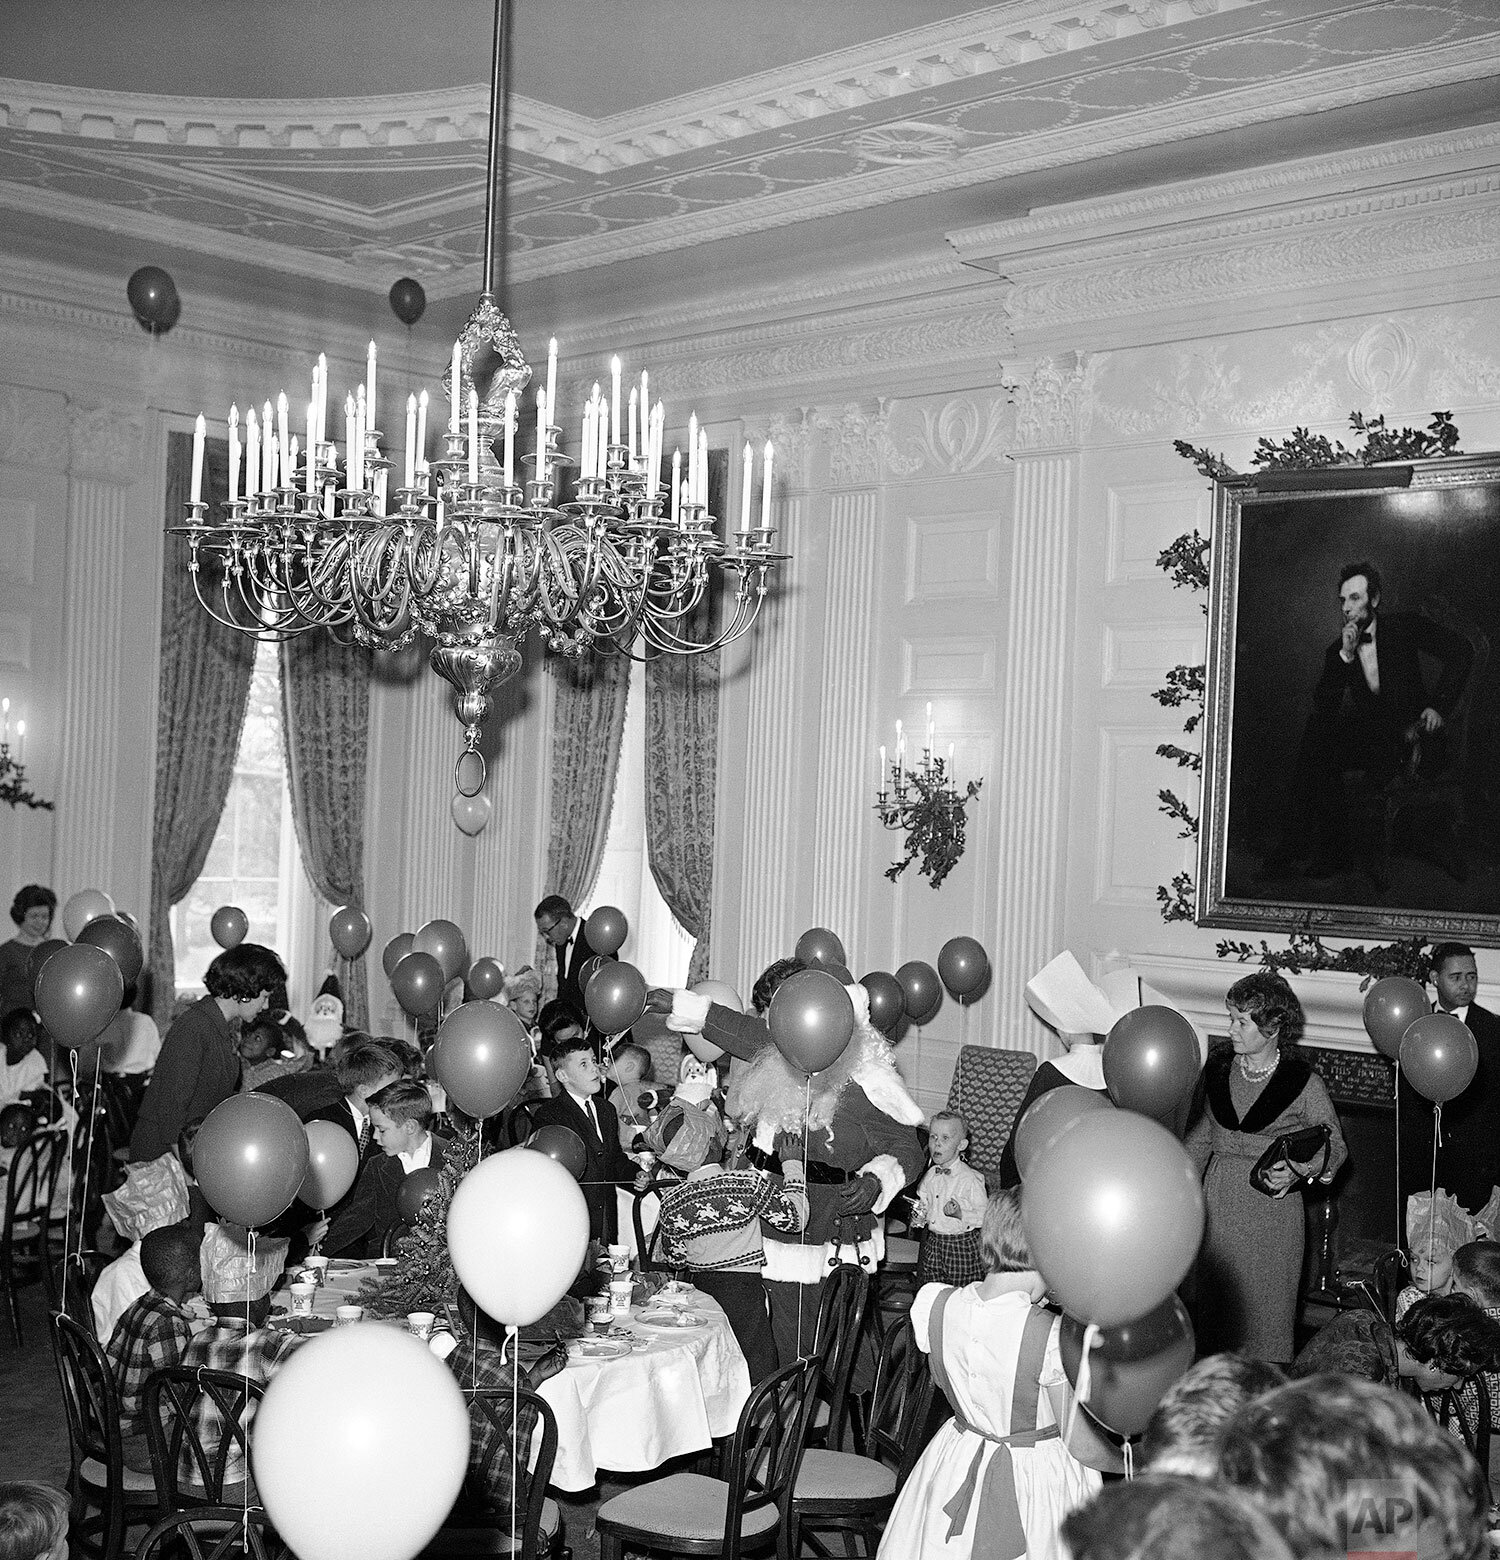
[1185,563]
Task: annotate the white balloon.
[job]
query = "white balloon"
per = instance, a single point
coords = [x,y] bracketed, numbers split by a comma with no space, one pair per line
[88,904]
[722,993]
[518,1230]
[361,1445]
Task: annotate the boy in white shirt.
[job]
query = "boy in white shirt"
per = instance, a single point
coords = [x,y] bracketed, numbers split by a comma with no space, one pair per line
[949,1207]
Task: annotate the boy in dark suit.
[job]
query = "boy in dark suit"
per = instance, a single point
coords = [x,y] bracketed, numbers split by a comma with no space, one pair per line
[581,1106]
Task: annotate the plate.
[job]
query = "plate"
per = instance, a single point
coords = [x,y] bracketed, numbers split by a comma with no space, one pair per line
[599,1348]
[302,1324]
[670,1321]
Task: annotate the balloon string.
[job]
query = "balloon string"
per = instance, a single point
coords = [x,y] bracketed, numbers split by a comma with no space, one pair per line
[1400,1232]
[88,1156]
[245,1475]
[1085,1380]
[1129,1459]
[1437,1137]
[802,1236]
[515,1426]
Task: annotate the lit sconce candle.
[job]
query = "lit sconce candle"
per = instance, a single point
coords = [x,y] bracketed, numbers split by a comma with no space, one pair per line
[552,378]
[692,464]
[541,435]
[900,747]
[950,762]
[20,741]
[614,401]
[234,454]
[745,484]
[473,438]
[586,443]
[281,432]
[456,382]
[349,441]
[676,484]
[361,422]
[601,440]
[411,441]
[765,487]
[267,450]
[370,421]
[252,454]
[880,773]
[510,436]
[310,481]
[630,444]
[645,407]
[5,719]
[289,470]
[422,432]
[200,433]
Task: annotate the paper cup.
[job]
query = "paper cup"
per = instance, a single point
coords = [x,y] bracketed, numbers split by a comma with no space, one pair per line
[420,1323]
[302,1298]
[349,1313]
[619,1259]
[601,1312]
[317,1267]
[619,1296]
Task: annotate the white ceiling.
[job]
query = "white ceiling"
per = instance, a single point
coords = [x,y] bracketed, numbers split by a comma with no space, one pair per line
[664,145]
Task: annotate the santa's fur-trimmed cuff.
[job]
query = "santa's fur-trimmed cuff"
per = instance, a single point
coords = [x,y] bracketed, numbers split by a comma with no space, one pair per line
[689,1010]
[861,1000]
[886,1169]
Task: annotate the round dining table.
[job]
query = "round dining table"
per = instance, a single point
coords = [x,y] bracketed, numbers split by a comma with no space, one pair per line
[648,1389]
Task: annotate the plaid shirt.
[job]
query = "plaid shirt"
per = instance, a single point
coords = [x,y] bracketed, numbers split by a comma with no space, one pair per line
[489,1491]
[255,1355]
[152,1333]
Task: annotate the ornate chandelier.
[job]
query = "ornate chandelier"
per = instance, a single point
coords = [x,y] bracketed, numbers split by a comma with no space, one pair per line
[627,562]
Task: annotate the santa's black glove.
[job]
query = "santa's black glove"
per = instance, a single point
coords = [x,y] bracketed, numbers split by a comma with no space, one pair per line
[859,1195]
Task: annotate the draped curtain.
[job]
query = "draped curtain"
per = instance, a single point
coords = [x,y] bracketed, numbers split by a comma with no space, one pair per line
[588,722]
[202,691]
[682,735]
[325,706]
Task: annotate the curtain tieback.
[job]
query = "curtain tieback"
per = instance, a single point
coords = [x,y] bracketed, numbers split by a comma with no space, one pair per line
[998,1532]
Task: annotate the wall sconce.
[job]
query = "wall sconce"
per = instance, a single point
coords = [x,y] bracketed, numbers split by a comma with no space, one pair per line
[13,788]
[926,805]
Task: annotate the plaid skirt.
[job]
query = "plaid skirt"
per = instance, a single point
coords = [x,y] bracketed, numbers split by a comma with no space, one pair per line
[950,1259]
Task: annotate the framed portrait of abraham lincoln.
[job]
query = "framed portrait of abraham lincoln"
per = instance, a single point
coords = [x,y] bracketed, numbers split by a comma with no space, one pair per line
[1351,760]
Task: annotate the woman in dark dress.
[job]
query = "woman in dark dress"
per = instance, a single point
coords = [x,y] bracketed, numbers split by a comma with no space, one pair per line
[1256,1089]
[32,911]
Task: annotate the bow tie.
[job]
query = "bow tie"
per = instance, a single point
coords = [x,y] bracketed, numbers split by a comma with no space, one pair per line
[1367,638]
[942,1170]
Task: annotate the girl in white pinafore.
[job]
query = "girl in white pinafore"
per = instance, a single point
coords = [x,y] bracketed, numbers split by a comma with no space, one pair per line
[996,1481]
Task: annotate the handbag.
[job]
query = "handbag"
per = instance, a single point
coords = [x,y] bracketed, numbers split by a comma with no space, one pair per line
[1293,1147]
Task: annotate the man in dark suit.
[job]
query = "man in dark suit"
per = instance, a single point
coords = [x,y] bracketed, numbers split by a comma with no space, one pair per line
[1372,713]
[580,1105]
[568,937]
[1468,1158]
[401,1118]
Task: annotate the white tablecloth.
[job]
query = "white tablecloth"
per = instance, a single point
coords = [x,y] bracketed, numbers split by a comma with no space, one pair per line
[672,1394]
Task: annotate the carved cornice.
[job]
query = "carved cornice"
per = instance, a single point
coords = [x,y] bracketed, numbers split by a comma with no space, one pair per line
[106,441]
[794,434]
[32,430]
[861,451]
[962,436]
[1053,398]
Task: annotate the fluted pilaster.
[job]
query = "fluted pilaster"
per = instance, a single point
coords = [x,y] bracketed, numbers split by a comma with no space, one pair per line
[431,884]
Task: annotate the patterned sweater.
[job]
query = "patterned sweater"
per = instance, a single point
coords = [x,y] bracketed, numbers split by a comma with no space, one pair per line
[712,1220]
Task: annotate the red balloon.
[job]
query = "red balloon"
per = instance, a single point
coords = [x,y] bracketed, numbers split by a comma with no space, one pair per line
[486,979]
[395,951]
[481,1057]
[606,929]
[1131,1366]
[840,972]
[811,1020]
[1439,1057]
[78,991]
[1392,1006]
[250,1157]
[123,945]
[963,965]
[887,999]
[415,1193]
[1114,1214]
[1050,1115]
[1151,1060]
[587,969]
[418,983]
[39,956]
[332,1164]
[820,947]
[924,996]
[230,926]
[562,1144]
[615,997]
[445,942]
[349,931]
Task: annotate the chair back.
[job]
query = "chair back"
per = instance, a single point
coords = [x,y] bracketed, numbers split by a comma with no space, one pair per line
[841,1315]
[987,1089]
[488,1486]
[198,1429]
[1391,1272]
[900,1402]
[392,1238]
[92,1406]
[73,1290]
[516,1124]
[648,1251]
[213,1533]
[766,1452]
[31,1184]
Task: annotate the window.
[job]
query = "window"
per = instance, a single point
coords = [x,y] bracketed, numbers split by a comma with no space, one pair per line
[254,861]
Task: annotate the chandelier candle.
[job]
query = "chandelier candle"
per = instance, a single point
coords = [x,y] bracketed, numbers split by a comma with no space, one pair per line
[200,432]
[310,484]
[234,454]
[509,475]
[252,455]
[370,387]
[614,401]
[422,433]
[551,375]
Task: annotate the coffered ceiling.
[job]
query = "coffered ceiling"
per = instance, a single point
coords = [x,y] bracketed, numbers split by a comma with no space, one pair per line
[341,142]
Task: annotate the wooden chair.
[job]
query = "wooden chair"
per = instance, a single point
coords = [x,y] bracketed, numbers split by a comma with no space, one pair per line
[748,1509]
[987,1089]
[648,1249]
[191,1471]
[213,1533]
[480,1523]
[1391,1273]
[853,1494]
[106,1496]
[70,1284]
[1466,1409]
[29,1188]
[392,1237]
[841,1316]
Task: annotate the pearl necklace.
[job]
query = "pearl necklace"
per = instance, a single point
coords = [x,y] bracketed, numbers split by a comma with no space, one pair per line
[1252,1076]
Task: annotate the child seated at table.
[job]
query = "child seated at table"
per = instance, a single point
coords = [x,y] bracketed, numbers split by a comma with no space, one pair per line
[33,1521]
[711,1225]
[633,1094]
[17,1123]
[1435,1229]
[155,1330]
[690,1131]
[949,1207]
[154,1195]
